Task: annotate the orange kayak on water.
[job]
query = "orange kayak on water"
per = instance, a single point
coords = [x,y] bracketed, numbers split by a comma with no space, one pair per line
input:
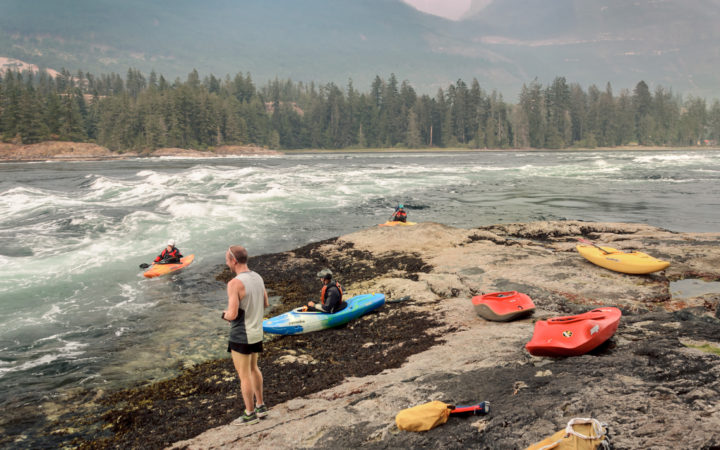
[157,270]
[574,335]
[503,306]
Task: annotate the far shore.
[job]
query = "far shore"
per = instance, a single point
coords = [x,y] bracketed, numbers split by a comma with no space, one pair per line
[79,151]
[484,150]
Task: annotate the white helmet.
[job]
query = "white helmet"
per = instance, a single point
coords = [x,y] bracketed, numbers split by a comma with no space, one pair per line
[171,243]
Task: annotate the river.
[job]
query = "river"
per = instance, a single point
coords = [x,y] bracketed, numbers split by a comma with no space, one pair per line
[76,313]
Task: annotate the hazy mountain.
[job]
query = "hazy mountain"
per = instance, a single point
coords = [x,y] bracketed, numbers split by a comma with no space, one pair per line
[501,43]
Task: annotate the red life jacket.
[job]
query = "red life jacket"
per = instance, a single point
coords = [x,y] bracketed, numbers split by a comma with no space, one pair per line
[400,216]
[165,254]
[323,293]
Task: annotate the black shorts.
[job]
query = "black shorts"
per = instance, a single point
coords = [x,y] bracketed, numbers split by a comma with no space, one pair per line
[245,349]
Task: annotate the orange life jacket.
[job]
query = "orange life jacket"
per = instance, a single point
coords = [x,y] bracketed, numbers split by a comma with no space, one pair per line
[323,293]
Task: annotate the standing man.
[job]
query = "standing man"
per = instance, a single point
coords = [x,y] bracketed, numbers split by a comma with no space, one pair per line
[247,299]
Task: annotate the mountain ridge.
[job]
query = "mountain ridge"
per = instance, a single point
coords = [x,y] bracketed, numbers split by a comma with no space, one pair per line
[502,44]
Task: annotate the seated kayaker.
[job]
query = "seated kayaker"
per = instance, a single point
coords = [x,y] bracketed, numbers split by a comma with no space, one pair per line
[169,255]
[399,215]
[330,297]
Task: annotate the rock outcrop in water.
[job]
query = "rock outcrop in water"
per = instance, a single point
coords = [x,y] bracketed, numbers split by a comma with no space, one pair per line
[655,383]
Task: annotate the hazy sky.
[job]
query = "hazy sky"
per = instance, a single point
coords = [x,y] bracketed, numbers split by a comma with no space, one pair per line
[450,9]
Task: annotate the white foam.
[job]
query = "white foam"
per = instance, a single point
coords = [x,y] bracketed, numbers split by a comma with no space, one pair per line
[70,350]
[51,315]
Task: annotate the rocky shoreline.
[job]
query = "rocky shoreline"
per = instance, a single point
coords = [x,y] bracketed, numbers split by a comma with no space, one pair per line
[82,151]
[655,383]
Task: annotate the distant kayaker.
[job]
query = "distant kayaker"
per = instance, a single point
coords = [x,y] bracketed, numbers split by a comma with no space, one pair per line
[169,255]
[399,215]
[330,297]
[247,299]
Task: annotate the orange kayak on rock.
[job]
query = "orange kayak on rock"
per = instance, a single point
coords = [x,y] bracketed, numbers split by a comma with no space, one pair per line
[157,270]
[574,335]
[503,306]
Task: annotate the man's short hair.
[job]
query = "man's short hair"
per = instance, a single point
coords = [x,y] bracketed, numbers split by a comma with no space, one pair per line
[239,253]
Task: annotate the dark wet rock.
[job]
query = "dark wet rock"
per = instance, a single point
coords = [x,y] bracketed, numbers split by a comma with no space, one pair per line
[208,395]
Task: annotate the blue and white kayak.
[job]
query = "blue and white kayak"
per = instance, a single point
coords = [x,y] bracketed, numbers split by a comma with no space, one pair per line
[298,322]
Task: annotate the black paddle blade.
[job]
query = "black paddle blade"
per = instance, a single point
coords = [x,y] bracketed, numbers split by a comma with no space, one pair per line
[144,266]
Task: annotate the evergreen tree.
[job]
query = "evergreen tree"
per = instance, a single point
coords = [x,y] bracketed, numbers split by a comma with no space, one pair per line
[694,121]
[52,114]
[274,141]
[578,113]
[30,126]
[714,122]
[606,118]
[533,105]
[153,81]
[666,111]
[642,102]
[557,103]
[625,112]
[413,139]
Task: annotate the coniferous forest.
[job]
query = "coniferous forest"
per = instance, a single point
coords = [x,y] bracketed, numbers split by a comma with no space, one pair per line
[145,113]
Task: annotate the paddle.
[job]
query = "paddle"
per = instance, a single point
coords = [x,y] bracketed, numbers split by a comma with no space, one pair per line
[585,241]
[480,408]
[162,261]
[398,300]
[393,214]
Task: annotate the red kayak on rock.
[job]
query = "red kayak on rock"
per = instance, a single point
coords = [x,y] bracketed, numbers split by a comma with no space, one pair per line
[574,335]
[503,306]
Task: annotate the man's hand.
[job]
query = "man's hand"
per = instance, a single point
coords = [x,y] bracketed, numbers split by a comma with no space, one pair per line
[311,304]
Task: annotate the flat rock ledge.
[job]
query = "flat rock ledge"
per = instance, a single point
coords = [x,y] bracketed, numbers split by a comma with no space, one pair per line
[655,383]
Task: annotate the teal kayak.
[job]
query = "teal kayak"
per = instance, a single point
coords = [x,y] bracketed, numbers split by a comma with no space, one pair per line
[298,322]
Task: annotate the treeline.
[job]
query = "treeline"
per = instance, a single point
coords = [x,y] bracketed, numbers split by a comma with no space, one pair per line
[144,113]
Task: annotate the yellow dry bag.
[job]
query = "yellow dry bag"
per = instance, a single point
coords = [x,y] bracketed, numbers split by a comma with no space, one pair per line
[423,417]
[579,434]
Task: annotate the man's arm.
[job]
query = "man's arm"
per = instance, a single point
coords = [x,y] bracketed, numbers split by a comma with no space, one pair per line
[235,291]
[267,302]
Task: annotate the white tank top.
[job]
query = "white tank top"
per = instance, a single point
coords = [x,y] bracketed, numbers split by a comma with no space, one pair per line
[247,327]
